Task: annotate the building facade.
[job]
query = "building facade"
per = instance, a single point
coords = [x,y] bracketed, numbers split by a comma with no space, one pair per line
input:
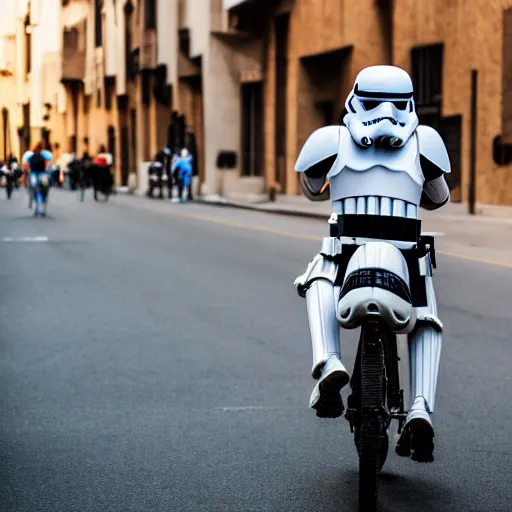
[242,83]
[314,49]
[31,95]
[10,113]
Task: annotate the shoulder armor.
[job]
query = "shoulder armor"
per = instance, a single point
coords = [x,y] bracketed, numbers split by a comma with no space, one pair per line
[321,144]
[432,147]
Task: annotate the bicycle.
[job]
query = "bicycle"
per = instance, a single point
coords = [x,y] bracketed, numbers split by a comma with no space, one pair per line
[377,396]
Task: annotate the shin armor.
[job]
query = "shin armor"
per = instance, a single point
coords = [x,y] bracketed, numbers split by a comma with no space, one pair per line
[425,346]
[317,284]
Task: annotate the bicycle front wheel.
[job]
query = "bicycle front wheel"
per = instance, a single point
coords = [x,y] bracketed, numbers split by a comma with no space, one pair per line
[373,438]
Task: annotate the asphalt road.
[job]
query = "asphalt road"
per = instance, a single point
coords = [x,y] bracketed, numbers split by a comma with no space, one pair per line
[155,357]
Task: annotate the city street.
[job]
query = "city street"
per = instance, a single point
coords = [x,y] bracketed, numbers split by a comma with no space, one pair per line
[156,357]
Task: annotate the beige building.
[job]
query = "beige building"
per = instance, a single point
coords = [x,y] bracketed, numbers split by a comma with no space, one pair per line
[93,71]
[244,82]
[9,118]
[314,49]
[119,64]
[31,94]
[440,42]
[215,61]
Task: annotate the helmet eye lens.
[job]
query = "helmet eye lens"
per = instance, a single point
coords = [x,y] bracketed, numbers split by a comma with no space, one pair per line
[400,105]
[370,104]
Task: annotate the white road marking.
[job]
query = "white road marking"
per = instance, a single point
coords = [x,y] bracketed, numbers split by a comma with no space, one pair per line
[245,408]
[26,239]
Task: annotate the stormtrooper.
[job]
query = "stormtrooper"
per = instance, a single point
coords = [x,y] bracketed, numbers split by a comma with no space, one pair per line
[378,168]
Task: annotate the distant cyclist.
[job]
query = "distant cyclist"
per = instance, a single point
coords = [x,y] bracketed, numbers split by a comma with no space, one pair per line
[36,163]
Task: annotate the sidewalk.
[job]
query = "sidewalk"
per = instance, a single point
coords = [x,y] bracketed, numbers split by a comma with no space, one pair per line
[301,206]
[477,237]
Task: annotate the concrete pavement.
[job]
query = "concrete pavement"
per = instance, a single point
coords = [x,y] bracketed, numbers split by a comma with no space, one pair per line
[155,357]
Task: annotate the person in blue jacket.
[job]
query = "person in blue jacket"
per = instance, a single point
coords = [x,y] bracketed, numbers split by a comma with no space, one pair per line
[36,163]
[182,169]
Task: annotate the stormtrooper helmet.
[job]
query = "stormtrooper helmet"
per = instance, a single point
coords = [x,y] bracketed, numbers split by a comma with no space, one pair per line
[184,153]
[381,108]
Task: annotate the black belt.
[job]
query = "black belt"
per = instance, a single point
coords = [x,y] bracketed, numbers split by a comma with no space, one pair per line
[377,226]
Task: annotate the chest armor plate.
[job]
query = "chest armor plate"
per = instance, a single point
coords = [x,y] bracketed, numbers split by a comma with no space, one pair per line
[378,172]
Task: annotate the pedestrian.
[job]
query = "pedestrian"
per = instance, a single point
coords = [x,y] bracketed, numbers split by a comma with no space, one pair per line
[157,175]
[106,157]
[167,152]
[13,166]
[174,174]
[38,163]
[12,160]
[57,170]
[183,171]
[101,172]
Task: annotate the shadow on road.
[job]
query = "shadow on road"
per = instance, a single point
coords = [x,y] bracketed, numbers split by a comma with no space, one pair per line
[406,492]
[31,216]
[398,492]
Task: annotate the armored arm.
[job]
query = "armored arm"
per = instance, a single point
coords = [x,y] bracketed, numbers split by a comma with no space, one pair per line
[316,160]
[435,163]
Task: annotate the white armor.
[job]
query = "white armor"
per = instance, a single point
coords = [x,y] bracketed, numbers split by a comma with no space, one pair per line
[380,108]
[379,173]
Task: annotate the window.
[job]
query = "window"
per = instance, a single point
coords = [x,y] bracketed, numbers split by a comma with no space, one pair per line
[282,24]
[150,14]
[110,84]
[25,132]
[133,140]
[98,28]
[427,77]
[451,131]
[87,102]
[125,155]
[73,143]
[71,39]
[326,110]
[506,113]
[252,129]
[28,45]
[128,11]
[146,88]
[111,138]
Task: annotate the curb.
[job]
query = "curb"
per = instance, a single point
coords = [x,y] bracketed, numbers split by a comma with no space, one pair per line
[263,209]
[324,216]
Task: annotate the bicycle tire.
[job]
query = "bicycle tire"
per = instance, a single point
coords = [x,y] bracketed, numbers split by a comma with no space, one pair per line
[354,402]
[373,438]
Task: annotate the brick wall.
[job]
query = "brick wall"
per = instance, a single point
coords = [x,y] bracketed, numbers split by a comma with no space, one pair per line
[317,28]
[472,35]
